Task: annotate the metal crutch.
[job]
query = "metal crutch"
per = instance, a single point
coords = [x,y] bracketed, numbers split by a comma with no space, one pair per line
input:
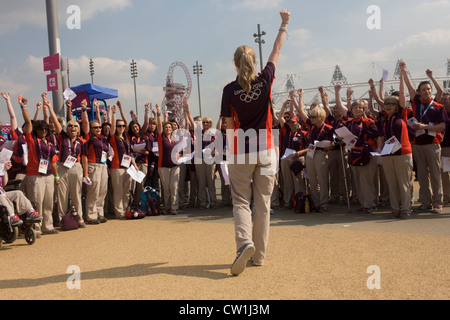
[345,178]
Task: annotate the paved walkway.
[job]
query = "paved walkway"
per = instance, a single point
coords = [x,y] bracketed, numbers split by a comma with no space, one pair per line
[318,256]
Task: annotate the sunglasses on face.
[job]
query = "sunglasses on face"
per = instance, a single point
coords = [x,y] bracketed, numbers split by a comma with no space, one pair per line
[96,127]
[71,126]
[121,126]
[390,104]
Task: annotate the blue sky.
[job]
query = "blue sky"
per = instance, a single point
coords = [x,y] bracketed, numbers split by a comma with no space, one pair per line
[321,35]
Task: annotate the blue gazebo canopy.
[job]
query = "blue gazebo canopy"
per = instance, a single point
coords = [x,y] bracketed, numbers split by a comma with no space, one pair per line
[90,92]
[96,92]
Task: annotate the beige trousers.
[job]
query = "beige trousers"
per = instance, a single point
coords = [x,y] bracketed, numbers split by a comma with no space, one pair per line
[205,174]
[170,178]
[246,181]
[70,189]
[317,170]
[22,203]
[40,190]
[364,183]
[397,171]
[428,163]
[96,193]
[121,183]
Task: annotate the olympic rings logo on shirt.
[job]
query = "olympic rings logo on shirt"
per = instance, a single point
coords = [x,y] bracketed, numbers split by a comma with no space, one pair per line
[251,96]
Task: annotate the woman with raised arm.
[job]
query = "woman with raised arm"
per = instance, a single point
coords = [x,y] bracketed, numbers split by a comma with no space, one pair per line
[168,169]
[121,161]
[363,165]
[18,170]
[398,165]
[317,157]
[41,164]
[141,149]
[246,105]
[70,169]
[430,118]
[337,162]
[94,157]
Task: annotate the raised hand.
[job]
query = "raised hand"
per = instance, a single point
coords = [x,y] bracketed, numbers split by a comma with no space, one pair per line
[6,96]
[285,16]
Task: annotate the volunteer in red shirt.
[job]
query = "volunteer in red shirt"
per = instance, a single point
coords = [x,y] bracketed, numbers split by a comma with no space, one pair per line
[70,169]
[18,170]
[246,105]
[367,140]
[40,183]
[120,163]
[430,117]
[317,156]
[141,149]
[397,166]
[94,156]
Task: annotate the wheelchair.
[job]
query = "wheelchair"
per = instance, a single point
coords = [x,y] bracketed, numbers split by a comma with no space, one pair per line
[8,233]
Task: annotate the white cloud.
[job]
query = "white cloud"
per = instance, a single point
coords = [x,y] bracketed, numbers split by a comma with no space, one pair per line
[258,4]
[433,5]
[19,13]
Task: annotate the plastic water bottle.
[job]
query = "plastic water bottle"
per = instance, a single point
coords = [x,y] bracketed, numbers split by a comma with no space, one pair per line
[307,208]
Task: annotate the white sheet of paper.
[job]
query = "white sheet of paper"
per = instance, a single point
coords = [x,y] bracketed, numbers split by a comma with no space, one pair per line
[385,74]
[343,132]
[139,147]
[155,147]
[87,180]
[5,155]
[136,175]
[69,94]
[288,153]
[25,154]
[224,168]
[322,144]
[411,122]
[386,150]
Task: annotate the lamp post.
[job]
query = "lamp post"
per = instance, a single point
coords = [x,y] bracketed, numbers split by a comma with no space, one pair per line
[134,75]
[198,70]
[260,42]
[91,69]
[55,47]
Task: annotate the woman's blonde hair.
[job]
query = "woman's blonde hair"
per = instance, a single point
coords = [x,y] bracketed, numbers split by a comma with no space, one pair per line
[358,103]
[207,119]
[245,59]
[319,113]
[74,123]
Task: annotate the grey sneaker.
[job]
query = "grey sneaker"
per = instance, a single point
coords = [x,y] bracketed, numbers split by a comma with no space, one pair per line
[243,255]
[15,221]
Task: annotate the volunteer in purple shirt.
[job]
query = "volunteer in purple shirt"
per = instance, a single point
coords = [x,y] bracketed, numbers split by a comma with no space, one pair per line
[70,170]
[246,106]
[169,171]
[431,117]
